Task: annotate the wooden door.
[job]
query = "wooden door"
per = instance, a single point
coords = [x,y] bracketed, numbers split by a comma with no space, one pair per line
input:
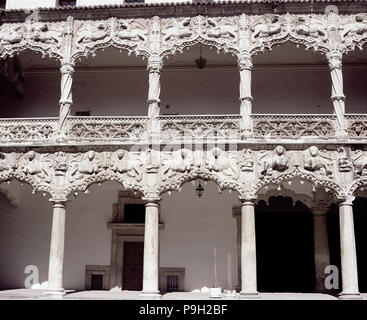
[132,273]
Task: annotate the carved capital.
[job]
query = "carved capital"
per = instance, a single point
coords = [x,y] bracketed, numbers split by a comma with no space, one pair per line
[335,59]
[248,200]
[155,65]
[59,202]
[67,68]
[245,62]
[346,201]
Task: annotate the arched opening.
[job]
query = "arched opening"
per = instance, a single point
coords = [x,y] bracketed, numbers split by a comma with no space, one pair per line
[291,80]
[110,83]
[193,228]
[285,249]
[25,233]
[30,86]
[354,76]
[360,223]
[186,89]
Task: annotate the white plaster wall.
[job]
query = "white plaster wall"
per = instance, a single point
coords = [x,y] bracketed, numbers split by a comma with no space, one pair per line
[193,227]
[25,235]
[24,238]
[123,92]
[22,4]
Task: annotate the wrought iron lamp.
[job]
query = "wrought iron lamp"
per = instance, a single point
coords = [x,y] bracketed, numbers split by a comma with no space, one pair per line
[200,62]
[199,190]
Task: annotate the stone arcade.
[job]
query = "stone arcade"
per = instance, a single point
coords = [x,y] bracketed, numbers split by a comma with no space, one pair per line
[317,160]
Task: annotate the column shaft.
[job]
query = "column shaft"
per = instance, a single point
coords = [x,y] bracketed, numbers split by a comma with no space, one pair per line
[348,251]
[154,68]
[66,100]
[248,250]
[245,66]
[337,91]
[151,250]
[56,262]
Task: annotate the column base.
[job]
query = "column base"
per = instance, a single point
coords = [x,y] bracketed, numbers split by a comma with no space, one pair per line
[350,296]
[55,292]
[150,295]
[249,295]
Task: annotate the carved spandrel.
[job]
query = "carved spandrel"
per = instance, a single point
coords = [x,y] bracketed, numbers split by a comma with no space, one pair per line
[89,32]
[314,161]
[360,163]
[176,162]
[265,26]
[220,161]
[11,34]
[275,161]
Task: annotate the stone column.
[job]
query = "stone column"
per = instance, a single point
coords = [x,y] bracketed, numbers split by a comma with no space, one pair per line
[151,250]
[348,251]
[56,262]
[154,68]
[248,250]
[66,101]
[236,213]
[337,93]
[245,66]
[321,247]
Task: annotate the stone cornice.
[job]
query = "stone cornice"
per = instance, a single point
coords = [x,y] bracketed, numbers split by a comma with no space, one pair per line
[185,9]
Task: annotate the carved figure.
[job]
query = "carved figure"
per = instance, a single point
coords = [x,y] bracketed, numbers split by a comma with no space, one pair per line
[360,164]
[133,32]
[43,34]
[122,163]
[311,27]
[224,28]
[180,162]
[358,27]
[218,161]
[313,161]
[37,167]
[60,163]
[9,35]
[178,30]
[278,162]
[3,163]
[266,27]
[344,164]
[88,165]
[247,163]
[91,32]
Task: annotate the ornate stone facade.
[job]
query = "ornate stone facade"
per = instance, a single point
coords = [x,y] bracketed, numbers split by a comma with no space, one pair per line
[155,154]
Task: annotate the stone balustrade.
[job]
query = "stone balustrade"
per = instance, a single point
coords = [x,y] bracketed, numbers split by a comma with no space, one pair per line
[183,128]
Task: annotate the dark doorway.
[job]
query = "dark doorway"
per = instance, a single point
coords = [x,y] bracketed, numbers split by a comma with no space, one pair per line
[97,282]
[334,240]
[360,225]
[132,273]
[285,248]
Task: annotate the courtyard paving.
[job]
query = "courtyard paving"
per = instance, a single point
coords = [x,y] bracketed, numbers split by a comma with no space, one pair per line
[37,294]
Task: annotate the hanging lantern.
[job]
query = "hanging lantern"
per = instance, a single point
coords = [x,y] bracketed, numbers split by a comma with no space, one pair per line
[200,62]
[199,190]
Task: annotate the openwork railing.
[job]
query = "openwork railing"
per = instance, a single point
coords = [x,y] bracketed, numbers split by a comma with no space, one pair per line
[107,128]
[130,130]
[293,126]
[221,127]
[357,126]
[27,130]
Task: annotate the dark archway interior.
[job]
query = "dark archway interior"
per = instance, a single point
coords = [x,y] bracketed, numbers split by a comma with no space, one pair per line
[334,239]
[285,250]
[360,225]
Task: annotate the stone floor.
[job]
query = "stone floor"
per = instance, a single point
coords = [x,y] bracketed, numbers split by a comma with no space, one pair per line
[27,294]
